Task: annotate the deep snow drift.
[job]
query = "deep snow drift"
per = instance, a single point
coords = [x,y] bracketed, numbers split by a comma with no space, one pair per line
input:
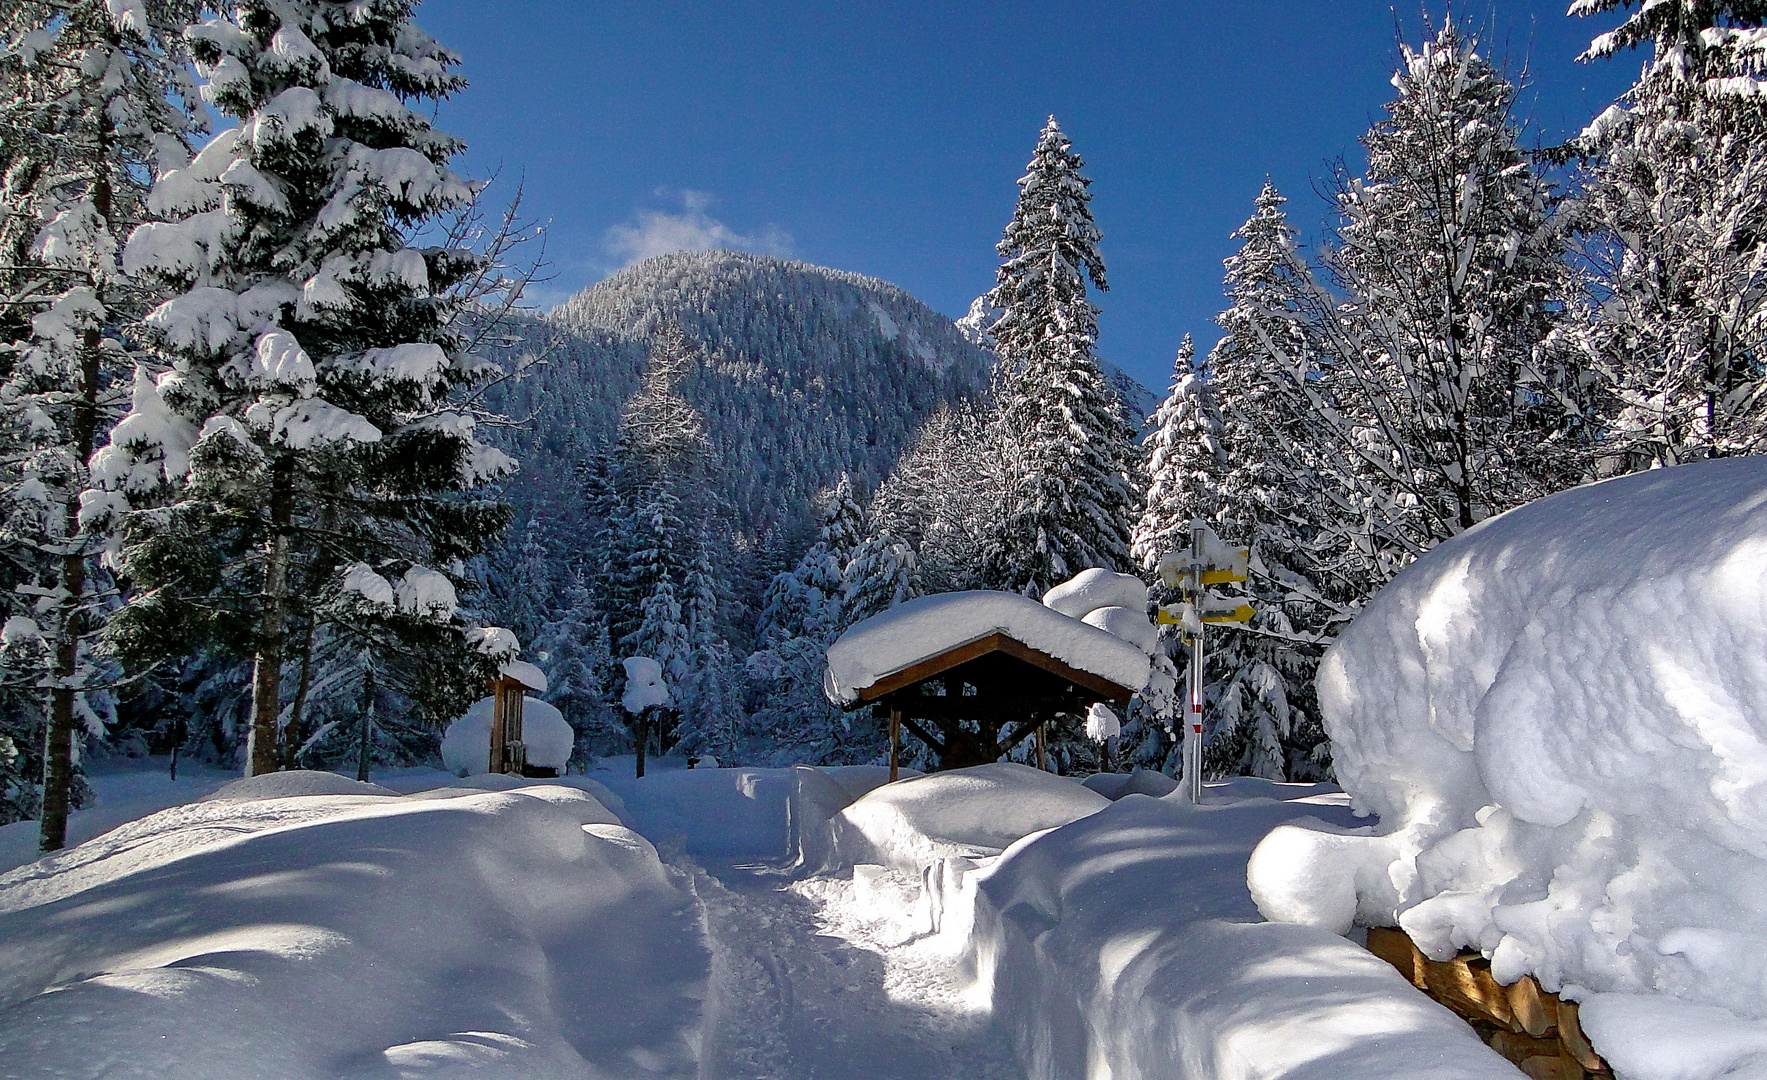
[912,824]
[1561,719]
[353,936]
[1123,942]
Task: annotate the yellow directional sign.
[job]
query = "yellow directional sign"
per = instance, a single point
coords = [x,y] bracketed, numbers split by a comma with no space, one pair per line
[1169,615]
[1223,576]
[1242,613]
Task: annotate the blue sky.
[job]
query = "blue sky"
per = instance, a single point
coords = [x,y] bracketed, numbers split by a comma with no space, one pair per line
[885,138]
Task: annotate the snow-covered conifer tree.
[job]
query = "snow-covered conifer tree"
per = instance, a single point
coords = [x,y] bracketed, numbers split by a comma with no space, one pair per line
[1675,188]
[1184,461]
[314,356]
[663,598]
[803,614]
[90,97]
[574,651]
[1450,270]
[1278,495]
[880,575]
[1070,452]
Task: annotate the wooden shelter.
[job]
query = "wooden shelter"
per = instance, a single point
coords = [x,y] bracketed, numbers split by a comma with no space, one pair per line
[509,754]
[974,702]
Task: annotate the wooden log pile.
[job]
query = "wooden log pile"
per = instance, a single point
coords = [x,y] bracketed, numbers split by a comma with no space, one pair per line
[1524,1023]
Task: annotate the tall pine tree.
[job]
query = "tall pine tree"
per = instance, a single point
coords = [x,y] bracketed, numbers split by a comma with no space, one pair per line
[1674,194]
[313,355]
[1069,450]
[90,97]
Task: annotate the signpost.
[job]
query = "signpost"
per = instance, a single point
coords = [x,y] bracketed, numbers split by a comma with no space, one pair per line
[1207,562]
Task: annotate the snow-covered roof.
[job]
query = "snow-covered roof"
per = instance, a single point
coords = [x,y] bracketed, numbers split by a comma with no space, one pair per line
[531,677]
[921,629]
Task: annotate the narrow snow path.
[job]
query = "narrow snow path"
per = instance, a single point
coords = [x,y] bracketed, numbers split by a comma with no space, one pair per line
[799,991]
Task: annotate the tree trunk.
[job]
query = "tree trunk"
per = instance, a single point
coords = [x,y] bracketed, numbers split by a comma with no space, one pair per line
[365,748]
[272,627]
[290,740]
[58,738]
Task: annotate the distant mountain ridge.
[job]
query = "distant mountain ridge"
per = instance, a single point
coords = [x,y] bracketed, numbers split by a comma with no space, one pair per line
[804,373]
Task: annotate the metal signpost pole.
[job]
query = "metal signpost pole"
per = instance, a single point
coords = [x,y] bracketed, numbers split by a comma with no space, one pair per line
[1193,712]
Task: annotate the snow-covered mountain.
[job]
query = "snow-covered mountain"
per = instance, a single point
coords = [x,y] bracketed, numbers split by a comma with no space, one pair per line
[804,373]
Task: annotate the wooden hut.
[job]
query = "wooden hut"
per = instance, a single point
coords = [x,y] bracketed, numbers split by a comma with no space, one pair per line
[973,675]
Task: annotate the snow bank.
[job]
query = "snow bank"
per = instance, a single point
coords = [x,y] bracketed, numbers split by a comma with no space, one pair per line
[1561,719]
[914,823]
[352,936]
[282,785]
[466,746]
[709,813]
[123,789]
[911,632]
[1122,945]
[1114,786]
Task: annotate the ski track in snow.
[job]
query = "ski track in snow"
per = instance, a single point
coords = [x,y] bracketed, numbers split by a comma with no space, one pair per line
[804,990]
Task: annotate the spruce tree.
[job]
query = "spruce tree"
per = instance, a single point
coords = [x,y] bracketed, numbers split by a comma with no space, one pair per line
[1276,497]
[665,601]
[881,574]
[1675,188]
[90,97]
[574,651]
[802,616]
[1183,462]
[313,355]
[1069,452]
[1451,275]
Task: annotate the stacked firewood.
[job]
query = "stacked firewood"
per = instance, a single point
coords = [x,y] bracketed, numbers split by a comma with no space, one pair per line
[1527,1025]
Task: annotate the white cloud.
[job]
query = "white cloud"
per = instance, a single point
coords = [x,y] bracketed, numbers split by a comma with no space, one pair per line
[657,232]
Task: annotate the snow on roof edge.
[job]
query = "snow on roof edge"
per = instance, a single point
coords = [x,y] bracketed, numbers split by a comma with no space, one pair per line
[927,626]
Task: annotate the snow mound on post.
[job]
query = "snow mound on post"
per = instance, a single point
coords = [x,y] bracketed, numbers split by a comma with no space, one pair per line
[978,811]
[466,746]
[645,687]
[1561,719]
[914,631]
[1096,588]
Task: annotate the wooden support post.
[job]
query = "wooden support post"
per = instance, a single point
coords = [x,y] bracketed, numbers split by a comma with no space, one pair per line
[1042,746]
[895,740]
[497,731]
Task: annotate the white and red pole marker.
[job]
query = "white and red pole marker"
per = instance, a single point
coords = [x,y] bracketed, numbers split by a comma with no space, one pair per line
[1208,562]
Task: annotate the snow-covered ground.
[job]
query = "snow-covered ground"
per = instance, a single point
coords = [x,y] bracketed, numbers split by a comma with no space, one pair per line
[1002,923]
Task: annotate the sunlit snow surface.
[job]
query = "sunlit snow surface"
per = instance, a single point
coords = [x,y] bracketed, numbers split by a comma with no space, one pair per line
[1560,718]
[1025,926]
[353,935]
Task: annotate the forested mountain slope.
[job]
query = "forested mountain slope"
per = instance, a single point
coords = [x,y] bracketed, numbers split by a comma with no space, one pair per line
[803,373]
